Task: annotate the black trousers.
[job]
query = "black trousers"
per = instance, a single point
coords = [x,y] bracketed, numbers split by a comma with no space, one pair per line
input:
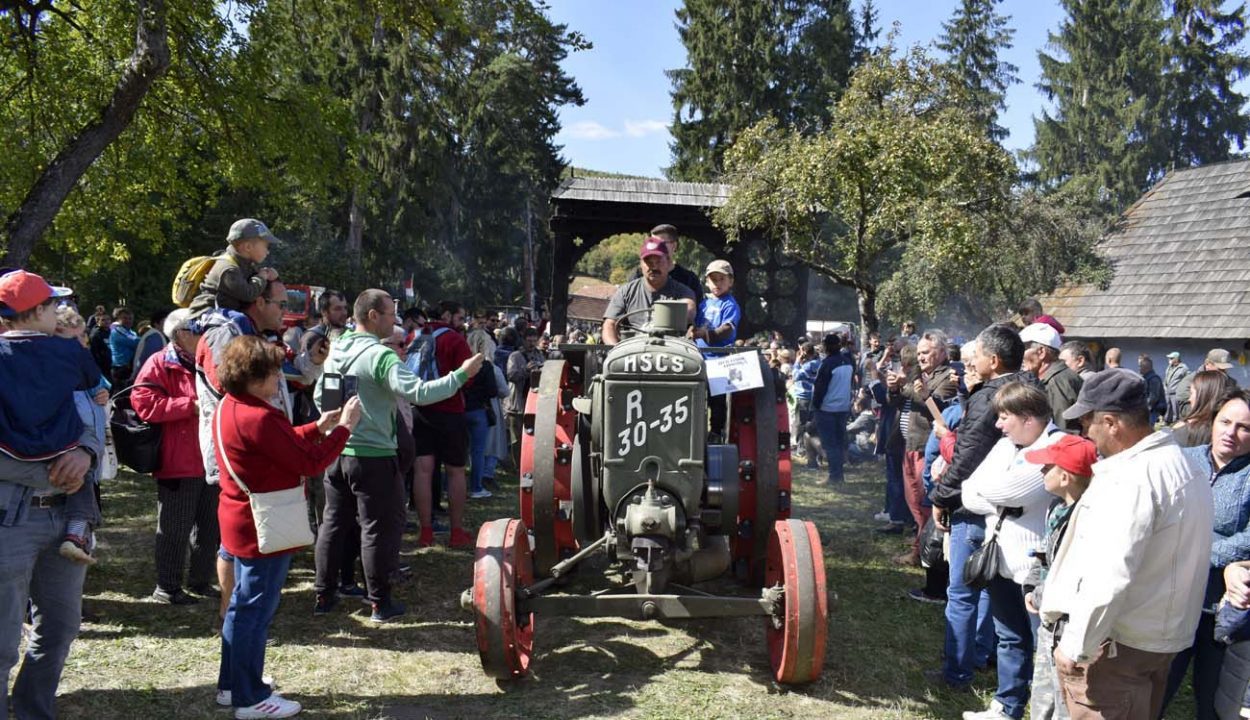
[368,491]
[186,514]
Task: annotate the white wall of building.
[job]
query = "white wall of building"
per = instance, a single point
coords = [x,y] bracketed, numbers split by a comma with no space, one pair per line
[1193,352]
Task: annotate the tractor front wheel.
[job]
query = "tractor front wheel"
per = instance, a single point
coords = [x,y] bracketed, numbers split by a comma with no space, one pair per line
[504,563]
[797,632]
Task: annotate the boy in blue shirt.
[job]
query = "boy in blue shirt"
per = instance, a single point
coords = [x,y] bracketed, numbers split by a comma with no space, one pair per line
[716,325]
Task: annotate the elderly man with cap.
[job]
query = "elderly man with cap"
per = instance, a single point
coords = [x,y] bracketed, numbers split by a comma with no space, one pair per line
[1172,378]
[1126,583]
[1217,359]
[634,298]
[1041,357]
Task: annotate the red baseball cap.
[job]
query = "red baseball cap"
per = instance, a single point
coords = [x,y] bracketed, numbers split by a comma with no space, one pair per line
[1070,452]
[20,291]
[652,247]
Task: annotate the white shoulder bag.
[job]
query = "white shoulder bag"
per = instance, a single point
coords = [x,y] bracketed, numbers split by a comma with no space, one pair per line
[281,516]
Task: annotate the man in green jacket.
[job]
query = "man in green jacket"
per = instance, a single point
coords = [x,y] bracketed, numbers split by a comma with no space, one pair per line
[365,479]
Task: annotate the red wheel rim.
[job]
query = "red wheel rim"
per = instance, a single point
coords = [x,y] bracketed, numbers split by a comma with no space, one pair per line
[546,488]
[796,649]
[503,563]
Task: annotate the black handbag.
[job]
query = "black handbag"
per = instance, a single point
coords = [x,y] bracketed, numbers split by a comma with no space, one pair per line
[138,443]
[930,545]
[984,563]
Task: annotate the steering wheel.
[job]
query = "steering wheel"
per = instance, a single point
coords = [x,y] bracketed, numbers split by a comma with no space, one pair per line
[631,330]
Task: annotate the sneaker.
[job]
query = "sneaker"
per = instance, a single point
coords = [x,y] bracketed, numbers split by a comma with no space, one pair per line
[207,590]
[919,595]
[78,549]
[882,517]
[480,494]
[460,539]
[225,698]
[352,590]
[892,528]
[937,677]
[387,611]
[274,706]
[995,712]
[324,604]
[177,597]
[426,539]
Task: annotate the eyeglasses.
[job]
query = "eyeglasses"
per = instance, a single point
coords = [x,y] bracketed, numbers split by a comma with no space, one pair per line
[280,303]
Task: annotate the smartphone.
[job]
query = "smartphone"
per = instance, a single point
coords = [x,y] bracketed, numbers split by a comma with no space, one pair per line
[351,385]
[896,366]
[332,392]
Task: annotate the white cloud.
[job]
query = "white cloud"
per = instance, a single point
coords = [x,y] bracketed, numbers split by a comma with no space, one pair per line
[641,128]
[590,130]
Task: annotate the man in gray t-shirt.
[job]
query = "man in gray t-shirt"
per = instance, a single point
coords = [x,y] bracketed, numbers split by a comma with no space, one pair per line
[641,294]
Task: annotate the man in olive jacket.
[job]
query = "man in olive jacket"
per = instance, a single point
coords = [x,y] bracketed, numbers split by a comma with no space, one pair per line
[1041,357]
[936,380]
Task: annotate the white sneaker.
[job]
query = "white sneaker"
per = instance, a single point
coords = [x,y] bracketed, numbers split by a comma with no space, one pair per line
[274,706]
[225,698]
[480,494]
[882,517]
[995,712]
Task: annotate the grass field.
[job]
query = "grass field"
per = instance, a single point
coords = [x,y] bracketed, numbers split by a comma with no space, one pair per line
[138,659]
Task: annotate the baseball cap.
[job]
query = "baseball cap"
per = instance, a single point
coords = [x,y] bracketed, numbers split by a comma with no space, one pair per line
[1174,355]
[653,247]
[1220,358]
[1070,452]
[20,291]
[719,266]
[248,228]
[1042,334]
[1112,390]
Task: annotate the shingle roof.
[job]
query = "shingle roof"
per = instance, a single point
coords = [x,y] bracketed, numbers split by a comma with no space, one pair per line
[653,192]
[1181,261]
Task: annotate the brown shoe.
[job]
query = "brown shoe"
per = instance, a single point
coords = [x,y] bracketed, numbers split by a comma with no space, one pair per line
[909,559]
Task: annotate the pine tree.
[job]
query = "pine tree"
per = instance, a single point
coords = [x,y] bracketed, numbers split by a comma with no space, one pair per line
[1109,125]
[973,40]
[1206,62]
[866,32]
[751,59]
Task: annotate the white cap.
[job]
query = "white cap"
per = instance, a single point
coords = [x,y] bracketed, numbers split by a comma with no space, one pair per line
[1042,334]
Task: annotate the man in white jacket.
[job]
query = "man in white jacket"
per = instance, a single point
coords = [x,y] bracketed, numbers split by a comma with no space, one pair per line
[1126,584]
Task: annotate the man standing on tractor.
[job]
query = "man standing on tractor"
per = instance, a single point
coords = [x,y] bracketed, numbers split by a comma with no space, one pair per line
[635,297]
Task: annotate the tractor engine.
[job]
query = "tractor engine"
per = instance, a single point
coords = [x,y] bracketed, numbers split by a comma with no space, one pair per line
[649,431]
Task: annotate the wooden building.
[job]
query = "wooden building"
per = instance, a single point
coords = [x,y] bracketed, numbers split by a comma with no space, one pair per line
[1181,263]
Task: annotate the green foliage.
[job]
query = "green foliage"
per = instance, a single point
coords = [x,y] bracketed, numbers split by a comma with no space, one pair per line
[900,183]
[801,53]
[1207,60]
[973,40]
[1136,93]
[427,124]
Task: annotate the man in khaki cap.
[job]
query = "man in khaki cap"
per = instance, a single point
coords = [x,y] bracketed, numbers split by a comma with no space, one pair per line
[1217,359]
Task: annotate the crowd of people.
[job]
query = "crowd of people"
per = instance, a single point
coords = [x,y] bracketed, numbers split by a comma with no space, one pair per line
[1015,467]
[1084,530]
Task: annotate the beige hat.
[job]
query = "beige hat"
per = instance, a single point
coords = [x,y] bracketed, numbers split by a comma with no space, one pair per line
[1220,358]
[719,266]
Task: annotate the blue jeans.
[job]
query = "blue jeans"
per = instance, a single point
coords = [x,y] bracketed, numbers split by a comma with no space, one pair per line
[257,590]
[31,568]
[1016,634]
[895,499]
[479,432]
[832,429]
[969,626]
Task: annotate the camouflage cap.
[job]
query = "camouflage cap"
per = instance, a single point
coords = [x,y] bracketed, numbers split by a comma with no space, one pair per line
[247,228]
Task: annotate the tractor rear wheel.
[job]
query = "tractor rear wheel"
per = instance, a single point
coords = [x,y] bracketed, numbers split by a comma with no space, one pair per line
[797,633]
[503,564]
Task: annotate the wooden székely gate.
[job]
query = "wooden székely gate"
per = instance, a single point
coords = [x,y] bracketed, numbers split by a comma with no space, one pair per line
[770,287]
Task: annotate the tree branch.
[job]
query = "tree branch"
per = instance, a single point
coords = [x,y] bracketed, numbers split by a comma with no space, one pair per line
[148,62]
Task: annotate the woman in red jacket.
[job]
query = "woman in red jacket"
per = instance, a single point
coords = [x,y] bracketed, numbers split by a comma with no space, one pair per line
[258,445]
[186,505]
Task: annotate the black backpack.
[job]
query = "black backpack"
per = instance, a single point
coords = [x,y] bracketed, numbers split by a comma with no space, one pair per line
[138,443]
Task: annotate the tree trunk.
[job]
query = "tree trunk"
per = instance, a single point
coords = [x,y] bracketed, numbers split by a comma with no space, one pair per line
[355,216]
[148,62]
[868,321]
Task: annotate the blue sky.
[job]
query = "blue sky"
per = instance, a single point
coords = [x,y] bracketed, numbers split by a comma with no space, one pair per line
[623,125]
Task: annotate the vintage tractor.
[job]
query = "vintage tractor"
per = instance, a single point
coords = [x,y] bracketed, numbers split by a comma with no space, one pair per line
[616,472]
